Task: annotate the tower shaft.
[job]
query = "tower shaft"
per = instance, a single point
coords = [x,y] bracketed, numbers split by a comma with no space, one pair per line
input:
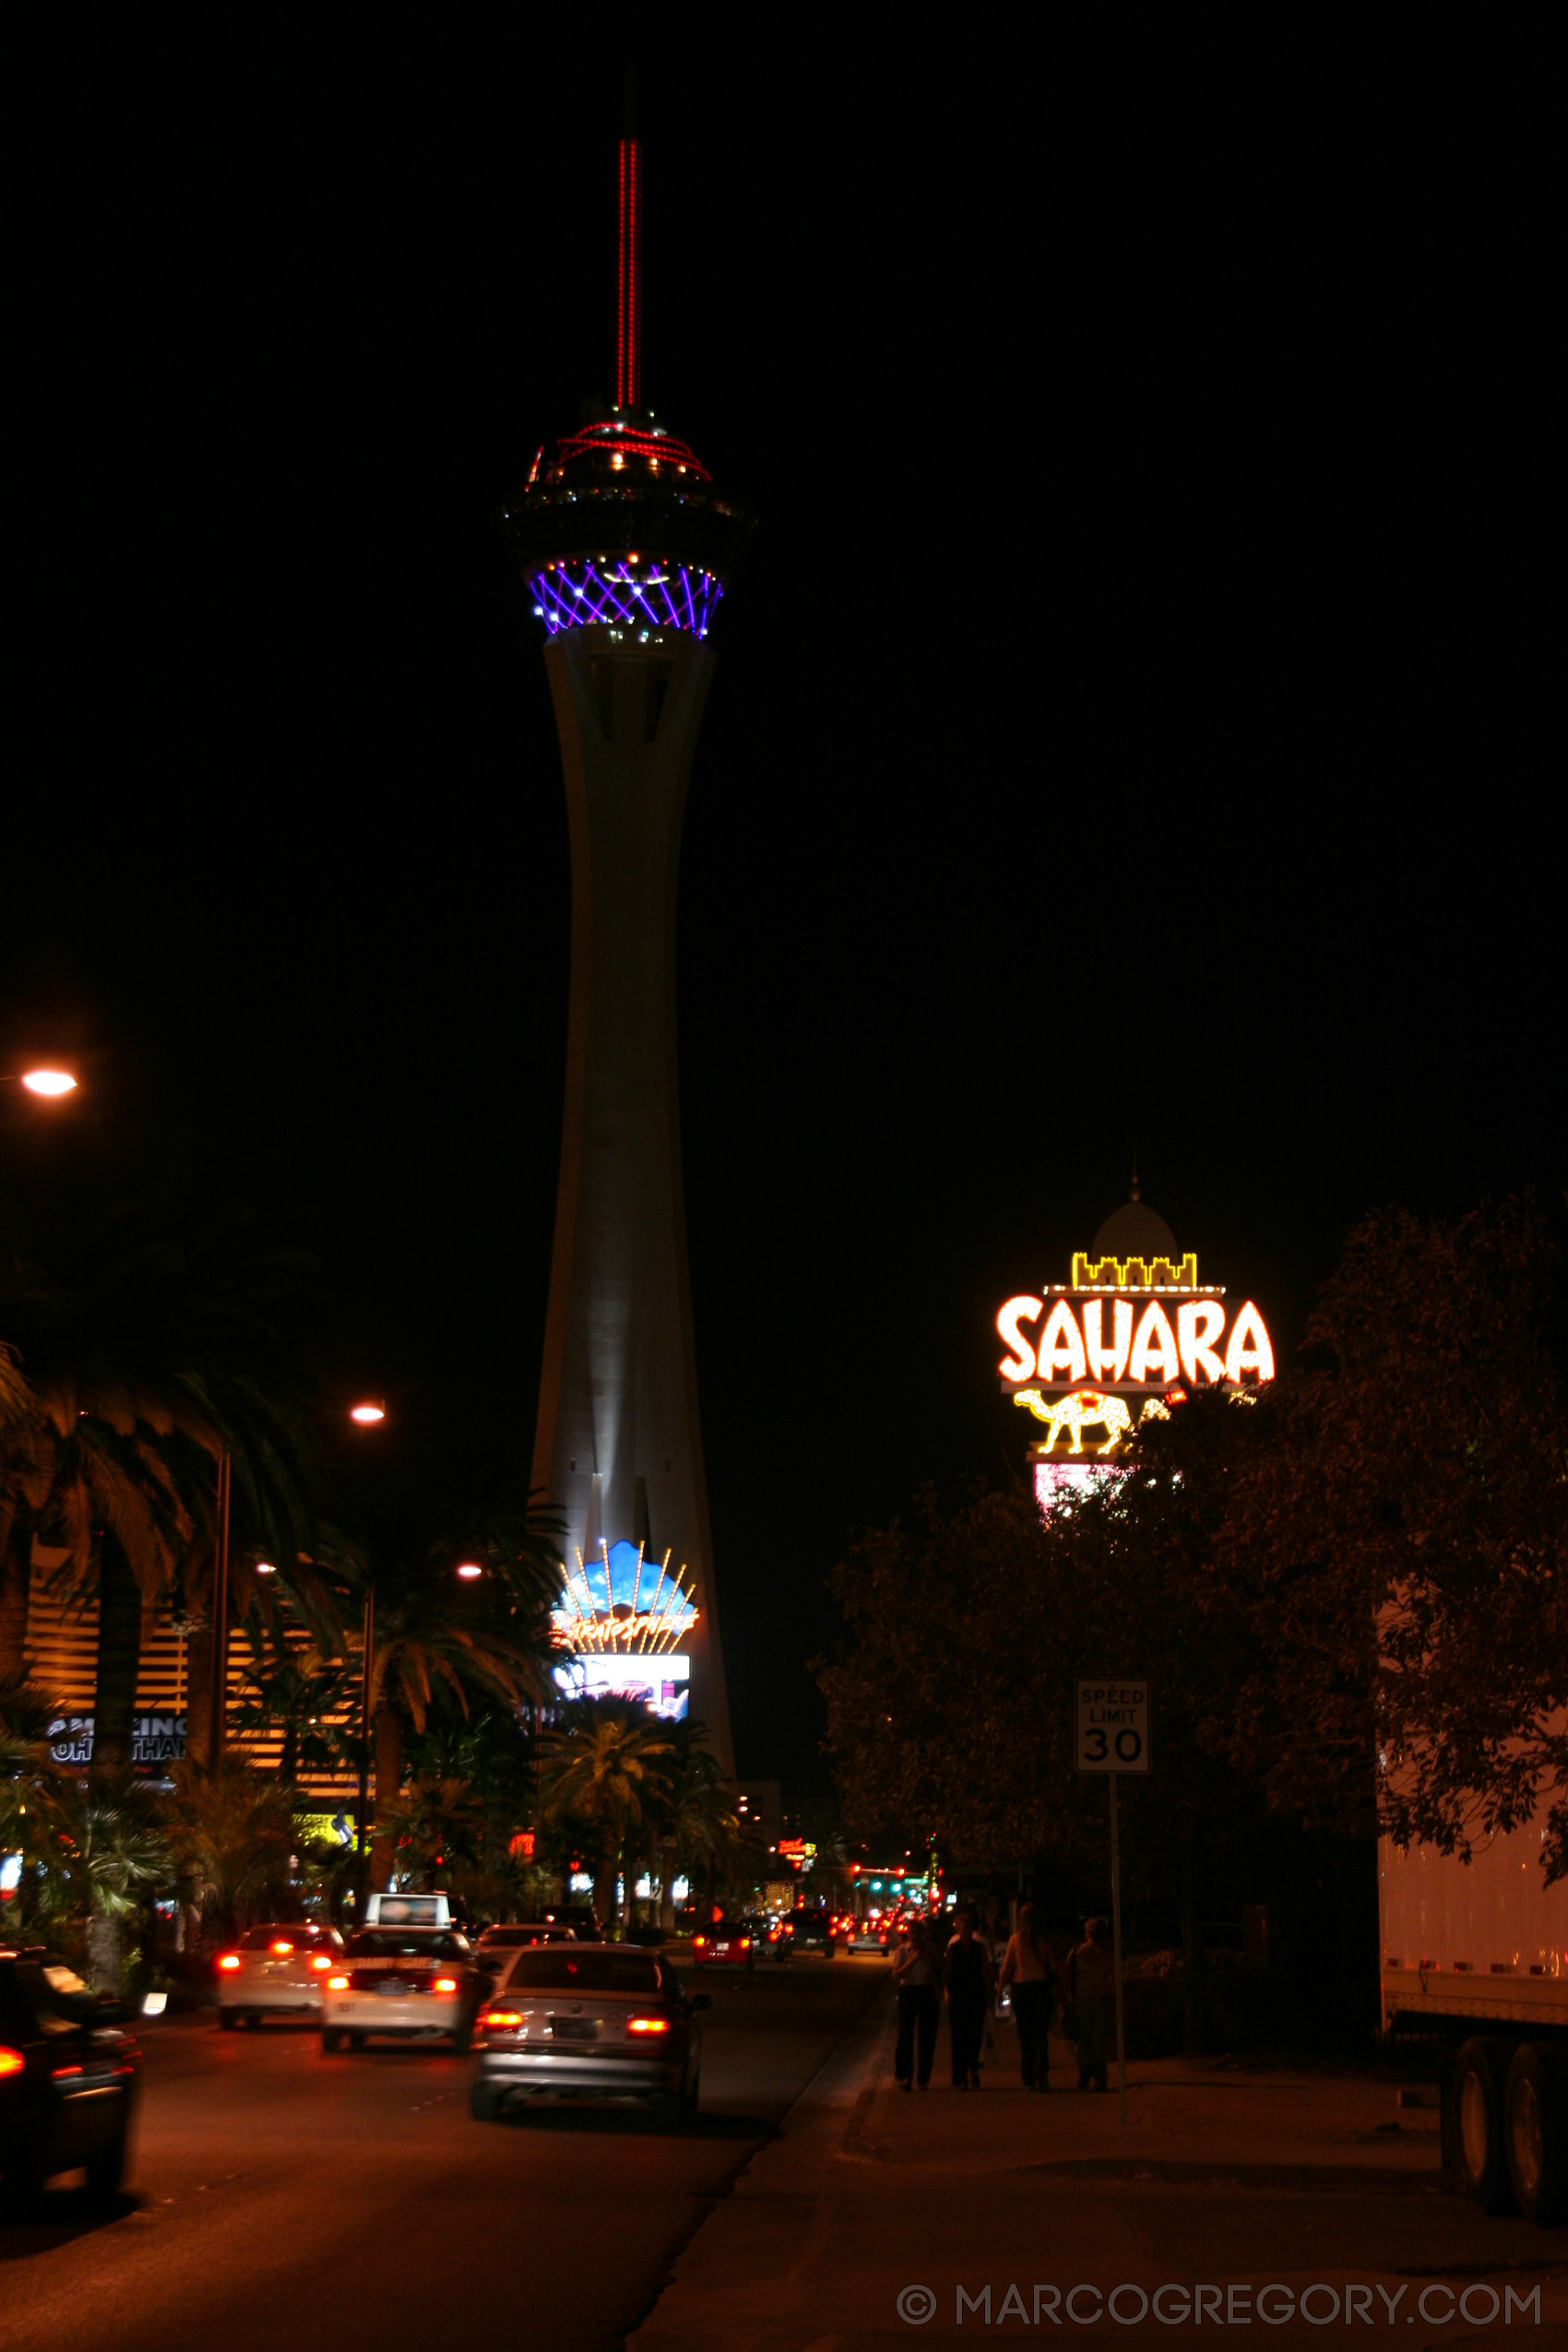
[618,1447]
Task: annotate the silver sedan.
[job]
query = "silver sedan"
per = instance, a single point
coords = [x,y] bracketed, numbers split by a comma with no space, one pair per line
[589,2020]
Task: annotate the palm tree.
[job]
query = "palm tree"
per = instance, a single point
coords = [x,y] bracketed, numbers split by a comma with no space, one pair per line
[231,1833]
[422,1643]
[699,1828]
[152,1360]
[109,1848]
[433,1825]
[300,1690]
[607,1774]
[32,1785]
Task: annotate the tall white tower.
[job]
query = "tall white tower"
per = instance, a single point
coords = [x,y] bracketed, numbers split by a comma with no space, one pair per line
[627,549]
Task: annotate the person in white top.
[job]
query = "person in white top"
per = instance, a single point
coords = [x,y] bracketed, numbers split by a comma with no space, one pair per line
[1032,1973]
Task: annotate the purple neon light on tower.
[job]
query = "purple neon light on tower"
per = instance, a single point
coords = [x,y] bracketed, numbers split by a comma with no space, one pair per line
[627,549]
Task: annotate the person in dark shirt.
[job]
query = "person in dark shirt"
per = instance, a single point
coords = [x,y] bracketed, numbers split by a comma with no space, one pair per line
[917,1972]
[1091,1980]
[966,1982]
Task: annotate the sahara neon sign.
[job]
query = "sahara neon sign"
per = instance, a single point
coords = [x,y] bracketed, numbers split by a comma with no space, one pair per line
[1122,1343]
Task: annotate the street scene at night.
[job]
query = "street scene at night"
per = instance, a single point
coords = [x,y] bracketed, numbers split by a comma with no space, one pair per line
[783,1316]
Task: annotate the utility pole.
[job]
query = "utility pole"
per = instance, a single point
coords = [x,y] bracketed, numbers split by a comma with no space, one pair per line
[219,1717]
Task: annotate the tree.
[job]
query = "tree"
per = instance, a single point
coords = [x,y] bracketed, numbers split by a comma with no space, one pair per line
[951,1704]
[607,1774]
[428,1637]
[154,1354]
[433,1826]
[1401,1550]
[695,1827]
[301,1690]
[230,1833]
[110,1847]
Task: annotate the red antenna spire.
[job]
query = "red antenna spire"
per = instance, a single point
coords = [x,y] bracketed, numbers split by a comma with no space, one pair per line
[629,280]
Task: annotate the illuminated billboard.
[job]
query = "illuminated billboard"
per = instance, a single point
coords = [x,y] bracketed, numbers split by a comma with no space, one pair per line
[1123,1340]
[660,1682]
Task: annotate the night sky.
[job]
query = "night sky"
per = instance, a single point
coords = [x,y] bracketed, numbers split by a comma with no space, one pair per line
[1129,729]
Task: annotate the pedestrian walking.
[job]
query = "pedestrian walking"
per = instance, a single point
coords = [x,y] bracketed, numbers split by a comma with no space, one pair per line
[967,1981]
[1031,1971]
[917,1973]
[1091,1982]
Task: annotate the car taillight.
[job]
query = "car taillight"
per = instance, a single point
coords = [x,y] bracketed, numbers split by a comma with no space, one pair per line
[230,1960]
[445,1984]
[699,1938]
[282,1947]
[647,2025]
[63,2073]
[745,1943]
[11,2061]
[336,1984]
[321,1960]
[502,2017]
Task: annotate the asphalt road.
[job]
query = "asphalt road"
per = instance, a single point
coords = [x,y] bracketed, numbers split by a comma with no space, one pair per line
[283,2201]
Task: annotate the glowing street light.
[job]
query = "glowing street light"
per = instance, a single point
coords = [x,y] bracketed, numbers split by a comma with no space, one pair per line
[264,1568]
[367,1415]
[49,1083]
[468,1570]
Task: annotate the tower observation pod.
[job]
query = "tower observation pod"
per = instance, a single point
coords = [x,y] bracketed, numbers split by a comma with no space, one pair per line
[627,549]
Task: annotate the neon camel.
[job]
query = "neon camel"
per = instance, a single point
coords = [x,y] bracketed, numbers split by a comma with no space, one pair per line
[1086,1408]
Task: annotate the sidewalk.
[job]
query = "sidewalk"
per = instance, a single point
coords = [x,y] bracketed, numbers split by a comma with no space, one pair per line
[870,2193]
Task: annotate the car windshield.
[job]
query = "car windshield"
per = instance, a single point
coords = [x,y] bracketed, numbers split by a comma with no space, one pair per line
[406,1944]
[562,1967]
[293,1932]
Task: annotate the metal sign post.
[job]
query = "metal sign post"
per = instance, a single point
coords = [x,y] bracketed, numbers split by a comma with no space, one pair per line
[1113,1738]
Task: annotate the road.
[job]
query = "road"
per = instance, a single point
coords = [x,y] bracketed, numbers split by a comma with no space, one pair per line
[283,2201]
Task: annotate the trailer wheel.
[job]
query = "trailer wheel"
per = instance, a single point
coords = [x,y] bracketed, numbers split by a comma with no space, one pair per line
[1480,2073]
[1534,2109]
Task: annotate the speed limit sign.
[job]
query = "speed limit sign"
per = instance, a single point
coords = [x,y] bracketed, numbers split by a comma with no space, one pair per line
[1113,1729]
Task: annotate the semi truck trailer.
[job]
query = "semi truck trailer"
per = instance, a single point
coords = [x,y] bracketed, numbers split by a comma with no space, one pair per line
[1475,1954]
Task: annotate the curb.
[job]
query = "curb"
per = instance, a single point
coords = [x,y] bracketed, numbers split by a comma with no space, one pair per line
[1399,2180]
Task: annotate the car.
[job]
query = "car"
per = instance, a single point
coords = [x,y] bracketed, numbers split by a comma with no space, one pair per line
[813,1930]
[406,1984]
[496,1945]
[589,2020]
[872,1935]
[276,1971]
[728,1943]
[770,1939]
[70,2076]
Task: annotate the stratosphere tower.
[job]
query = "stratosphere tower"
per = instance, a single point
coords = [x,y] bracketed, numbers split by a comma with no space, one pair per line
[626,548]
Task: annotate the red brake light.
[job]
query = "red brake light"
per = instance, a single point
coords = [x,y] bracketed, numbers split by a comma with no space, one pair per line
[63,2073]
[445,1984]
[322,1960]
[647,2025]
[11,2061]
[502,2017]
[699,1938]
[745,1943]
[230,1960]
[282,1947]
[336,1984]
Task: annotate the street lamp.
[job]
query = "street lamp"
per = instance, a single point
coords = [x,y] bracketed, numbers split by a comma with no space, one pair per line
[49,1083]
[468,1570]
[365,1416]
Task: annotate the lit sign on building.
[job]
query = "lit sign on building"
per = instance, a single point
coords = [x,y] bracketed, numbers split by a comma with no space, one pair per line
[1119,1344]
[661,1683]
[623,1601]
